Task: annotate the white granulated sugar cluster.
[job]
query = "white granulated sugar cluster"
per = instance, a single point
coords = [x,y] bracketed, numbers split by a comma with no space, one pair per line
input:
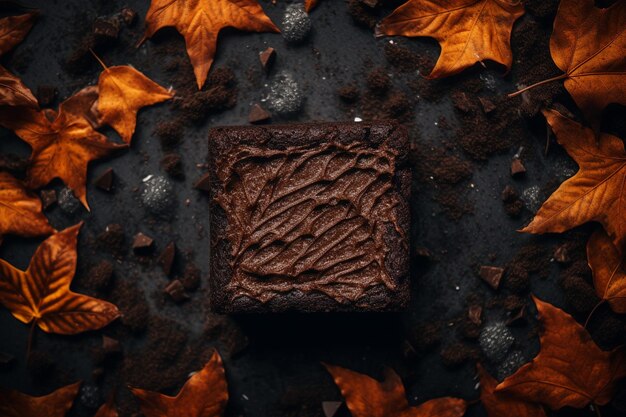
[495,340]
[157,194]
[296,24]
[285,95]
[68,203]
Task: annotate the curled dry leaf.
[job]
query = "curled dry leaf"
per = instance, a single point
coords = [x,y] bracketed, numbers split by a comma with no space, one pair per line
[588,44]
[122,92]
[366,397]
[609,276]
[62,143]
[13,30]
[570,369]
[596,192]
[13,92]
[200,21]
[41,295]
[20,210]
[469,31]
[205,394]
[501,404]
[56,404]
[309,5]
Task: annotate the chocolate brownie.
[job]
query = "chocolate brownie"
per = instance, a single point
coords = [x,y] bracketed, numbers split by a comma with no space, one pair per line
[309,217]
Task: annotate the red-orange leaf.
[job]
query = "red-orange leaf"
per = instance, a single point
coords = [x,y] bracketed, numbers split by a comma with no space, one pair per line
[200,21]
[570,370]
[13,30]
[309,5]
[366,397]
[122,92]
[205,394]
[56,404]
[62,147]
[609,274]
[42,294]
[596,192]
[20,210]
[501,404]
[13,92]
[107,409]
[469,31]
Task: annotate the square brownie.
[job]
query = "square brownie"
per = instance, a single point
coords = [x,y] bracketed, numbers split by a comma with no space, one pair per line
[309,217]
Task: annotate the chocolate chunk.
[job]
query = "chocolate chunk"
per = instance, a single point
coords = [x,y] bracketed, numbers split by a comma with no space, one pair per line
[203,183]
[176,290]
[349,93]
[331,408]
[173,165]
[142,244]
[107,28]
[191,278]
[251,160]
[128,16]
[258,114]
[491,275]
[561,254]
[166,258]
[487,104]
[110,345]
[267,58]
[509,194]
[474,314]
[48,198]
[517,168]
[105,180]
[518,317]
[46,94]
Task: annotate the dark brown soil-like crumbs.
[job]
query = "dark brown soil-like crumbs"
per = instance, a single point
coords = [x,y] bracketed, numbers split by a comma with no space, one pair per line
[426,336]
[191,278]
[132,303]
[230,338]
[378,81]
[579,293]
[363,15]
[113,240]
[457,354]
[511,201]
[349,93]
[405,60]
[170,133]
[98,277]
[173,165]
[530,260]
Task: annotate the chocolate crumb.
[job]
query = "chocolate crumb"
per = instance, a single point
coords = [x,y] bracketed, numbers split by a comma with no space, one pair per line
[203,183]
[105,180]
[491,275]
[166,258]
[172,164]
[258,114]
[176,291]
[142,244]
[267,58]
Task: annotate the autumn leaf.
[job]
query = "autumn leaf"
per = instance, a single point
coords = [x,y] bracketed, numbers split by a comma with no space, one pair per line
[200,21]
[20,210]
[13,30]
[41,295]
[62,144]
[57,404]
[13,92]
[309,5]
[122,92]
[609,275]
[596,192]
[366,397]
[570,369]
[107,409]
[468,31]
[588,44]
[205,394]
[501,404]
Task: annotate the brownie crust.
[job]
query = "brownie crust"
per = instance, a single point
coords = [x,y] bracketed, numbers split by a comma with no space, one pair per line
[226,141]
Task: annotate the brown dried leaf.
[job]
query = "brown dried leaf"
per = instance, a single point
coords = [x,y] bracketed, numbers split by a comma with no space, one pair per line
[366,397]
[596,192]
[609,275]
[205,394]
[42,294]
[200,21]
[13,30]
[570,369]
[55,404]
[20,210]
[469,31]
[13,92]
[123,91]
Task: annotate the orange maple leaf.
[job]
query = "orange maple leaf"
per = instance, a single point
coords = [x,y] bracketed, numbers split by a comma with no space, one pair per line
[596,192]
[200,21]
[609,276]
[13,30]
[499,404]
[62,143]
[366,397]
[205,394]
[469,31]
[570,369]
[122,92]
[13,92]
[309,5]
[41,295]
[20,210]
[588,44]
[56,404]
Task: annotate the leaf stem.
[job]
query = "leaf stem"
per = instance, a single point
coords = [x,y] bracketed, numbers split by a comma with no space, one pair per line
[595,407]
[98,58]
[593,311]
[549,80]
